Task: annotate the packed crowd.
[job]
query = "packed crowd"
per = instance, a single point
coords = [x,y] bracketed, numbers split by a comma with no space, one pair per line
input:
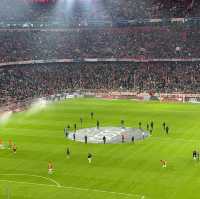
[78,11]
[21,82]
[18,83]
[142,43]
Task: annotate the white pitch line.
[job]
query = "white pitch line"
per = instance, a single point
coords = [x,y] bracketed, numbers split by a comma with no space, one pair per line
[75,188]
[98,190]
[37,176]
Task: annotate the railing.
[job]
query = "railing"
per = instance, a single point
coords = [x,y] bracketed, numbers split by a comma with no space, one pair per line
[93,60]
[108,94]
[18,106]
[101,23]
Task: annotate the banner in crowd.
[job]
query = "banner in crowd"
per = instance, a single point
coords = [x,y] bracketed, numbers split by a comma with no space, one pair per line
[97,23]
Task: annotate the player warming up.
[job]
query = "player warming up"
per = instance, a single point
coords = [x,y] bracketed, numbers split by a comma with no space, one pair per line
[104,139]
[92,115]
[1,144]
[122,138]
[98,124]
[167,129]
[66,132]
[152,125]
[140,125]
[194,154]
[81,121]
[85,137]
[75,127]
[122,124]
[50,168]
[133,139]
[68,153]
[147,126]
[164,163]
[164,125]
[89,158]
[74,136]
[10,144]
[14,147]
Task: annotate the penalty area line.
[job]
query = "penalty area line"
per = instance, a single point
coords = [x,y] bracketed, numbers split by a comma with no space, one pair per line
[31,175]
[74,188]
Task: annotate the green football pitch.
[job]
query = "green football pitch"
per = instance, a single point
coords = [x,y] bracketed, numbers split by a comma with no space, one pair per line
[131,171]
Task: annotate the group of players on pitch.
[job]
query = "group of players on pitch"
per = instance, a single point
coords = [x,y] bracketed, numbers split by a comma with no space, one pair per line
[68,153]
[89,157]
[10,146]
[104,138]
[195,155]
[150,127]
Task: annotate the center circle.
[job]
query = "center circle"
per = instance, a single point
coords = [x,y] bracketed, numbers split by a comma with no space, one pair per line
[110,134]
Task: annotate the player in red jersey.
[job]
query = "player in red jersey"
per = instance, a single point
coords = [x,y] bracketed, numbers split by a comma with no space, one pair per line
[50,168]
[1,144]
[164,163]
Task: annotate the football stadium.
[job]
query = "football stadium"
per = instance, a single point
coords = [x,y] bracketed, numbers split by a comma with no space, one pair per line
[99,99]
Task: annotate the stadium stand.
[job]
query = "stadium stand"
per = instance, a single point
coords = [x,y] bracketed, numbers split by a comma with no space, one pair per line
[166,43]
[25,10]
[19,83]
[100,43]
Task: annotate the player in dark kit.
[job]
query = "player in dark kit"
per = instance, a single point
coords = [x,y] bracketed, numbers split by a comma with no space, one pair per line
[152,124]
[68,153]
[74,136]
[194,154]
[143,135]
[122,138]
[85,139]
[104,139]
[164,125]
[97,124]
[81,121]
[65,132]
[140,125]
[167,129]
[89,158]
[147,126]
[133,139]
[68,127]
[122,123]
[92,115]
